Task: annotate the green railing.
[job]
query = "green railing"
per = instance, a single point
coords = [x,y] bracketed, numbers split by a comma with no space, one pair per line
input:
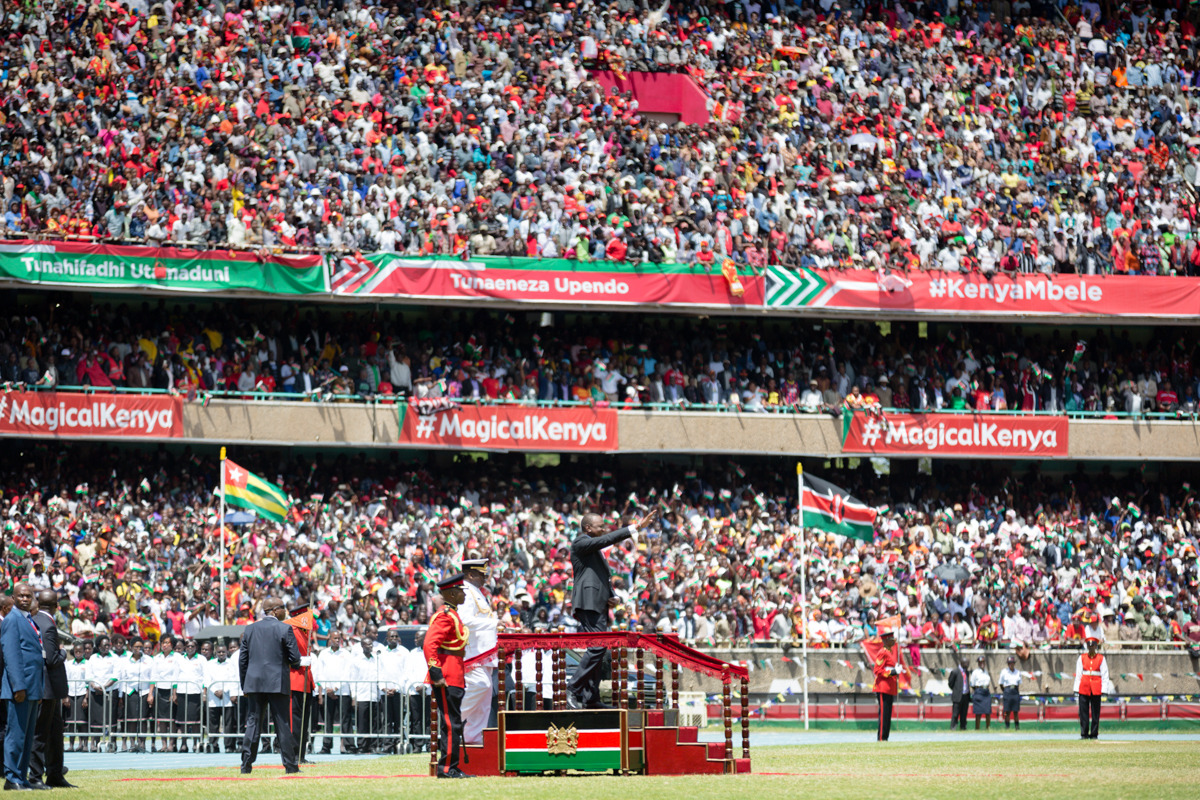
[621,405]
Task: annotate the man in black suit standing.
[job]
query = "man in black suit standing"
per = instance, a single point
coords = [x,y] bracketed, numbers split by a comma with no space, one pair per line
[268,651]
[591,599]
[960,695]
[46,759]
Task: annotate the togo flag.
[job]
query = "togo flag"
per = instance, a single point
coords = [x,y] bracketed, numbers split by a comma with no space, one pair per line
[244,488]
[833,510]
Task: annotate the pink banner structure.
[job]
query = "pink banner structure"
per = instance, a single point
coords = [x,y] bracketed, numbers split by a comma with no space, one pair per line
[660,93]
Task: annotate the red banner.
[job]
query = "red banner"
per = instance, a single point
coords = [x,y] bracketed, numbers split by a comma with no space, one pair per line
[69,415]
[512,428]
[528,280]
[1032,294]
[946,434]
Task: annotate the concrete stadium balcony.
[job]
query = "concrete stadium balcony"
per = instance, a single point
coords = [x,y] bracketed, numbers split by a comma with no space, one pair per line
[290,423]
[644,431]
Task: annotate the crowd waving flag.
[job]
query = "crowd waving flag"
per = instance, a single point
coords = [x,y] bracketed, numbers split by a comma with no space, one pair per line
[832,509]
[245,489]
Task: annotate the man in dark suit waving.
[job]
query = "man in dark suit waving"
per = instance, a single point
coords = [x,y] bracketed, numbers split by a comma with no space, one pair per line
[592,597]
[46,760]
[21,685]
[269,650]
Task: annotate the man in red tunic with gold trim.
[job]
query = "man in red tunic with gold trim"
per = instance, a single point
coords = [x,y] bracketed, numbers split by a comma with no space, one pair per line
[302,683]
[1091,681]
[885,663]
[445,643]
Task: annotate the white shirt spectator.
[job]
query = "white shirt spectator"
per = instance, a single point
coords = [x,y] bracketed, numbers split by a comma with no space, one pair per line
[416,670]
[332,670]
[369,672]
[392,666]
[222,675]
[190,675]
[137,675]
[77,677]
[166,670]
[101,671]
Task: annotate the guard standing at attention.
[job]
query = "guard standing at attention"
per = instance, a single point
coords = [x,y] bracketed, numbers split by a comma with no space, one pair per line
[445,643]
[1091,681]
[301,678]
[482,623]
[886,666]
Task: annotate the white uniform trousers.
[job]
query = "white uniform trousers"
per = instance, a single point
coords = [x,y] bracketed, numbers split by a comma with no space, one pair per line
[476,703]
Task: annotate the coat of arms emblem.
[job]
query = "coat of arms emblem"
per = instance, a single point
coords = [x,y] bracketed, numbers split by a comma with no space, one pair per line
[562,741]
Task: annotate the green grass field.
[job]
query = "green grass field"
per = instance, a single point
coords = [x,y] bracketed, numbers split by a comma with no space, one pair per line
[1010,770]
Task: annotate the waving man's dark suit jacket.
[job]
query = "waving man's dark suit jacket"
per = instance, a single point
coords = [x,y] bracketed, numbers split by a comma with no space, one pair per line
[593,582]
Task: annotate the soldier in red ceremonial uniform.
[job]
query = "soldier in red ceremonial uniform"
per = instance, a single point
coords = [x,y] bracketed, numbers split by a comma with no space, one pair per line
[1091,681]
[886,667]
[302,683]
[445,643]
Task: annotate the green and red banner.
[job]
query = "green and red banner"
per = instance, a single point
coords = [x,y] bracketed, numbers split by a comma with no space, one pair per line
[940,294]
[587,741]
[531,280]
[949,434]
[101,266]
[564,282]
[832,509]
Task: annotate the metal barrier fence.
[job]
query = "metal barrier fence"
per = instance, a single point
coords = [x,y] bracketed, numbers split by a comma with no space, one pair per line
[354,717]
[1054,646]
[361,716]
[322,396]
[1035,707]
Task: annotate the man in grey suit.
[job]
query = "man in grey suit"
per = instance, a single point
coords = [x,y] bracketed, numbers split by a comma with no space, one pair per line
[268,650]
[591,599]
[21,685]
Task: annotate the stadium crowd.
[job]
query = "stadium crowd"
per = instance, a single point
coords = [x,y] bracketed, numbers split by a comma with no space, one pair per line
[594,359]
[1001,136]
[131,545]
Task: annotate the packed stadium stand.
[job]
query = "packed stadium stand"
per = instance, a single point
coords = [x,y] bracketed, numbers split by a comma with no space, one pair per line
[451,277]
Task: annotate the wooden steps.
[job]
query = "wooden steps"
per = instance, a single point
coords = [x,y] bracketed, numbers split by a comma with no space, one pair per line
[484,757]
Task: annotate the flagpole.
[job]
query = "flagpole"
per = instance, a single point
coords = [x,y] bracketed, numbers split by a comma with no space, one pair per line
[221,535]
[803,586]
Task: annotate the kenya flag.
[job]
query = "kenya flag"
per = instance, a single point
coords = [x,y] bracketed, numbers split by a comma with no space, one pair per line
[831,509]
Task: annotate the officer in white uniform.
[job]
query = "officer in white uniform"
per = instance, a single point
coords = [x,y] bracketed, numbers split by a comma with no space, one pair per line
[481,621]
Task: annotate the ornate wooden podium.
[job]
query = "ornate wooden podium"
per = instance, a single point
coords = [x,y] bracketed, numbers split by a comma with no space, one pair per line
[551,741]
[640,735]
